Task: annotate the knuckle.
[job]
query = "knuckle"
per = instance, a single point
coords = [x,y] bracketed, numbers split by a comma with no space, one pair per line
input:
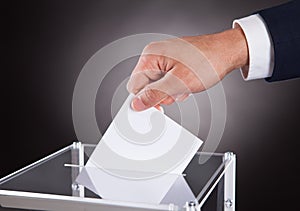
[129,87]
[152,46]
[132,89]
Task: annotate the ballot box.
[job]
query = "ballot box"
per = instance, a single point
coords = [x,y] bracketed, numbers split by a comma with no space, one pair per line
[50,184]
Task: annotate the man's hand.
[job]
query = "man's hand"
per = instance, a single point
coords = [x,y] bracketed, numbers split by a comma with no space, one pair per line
[170,70]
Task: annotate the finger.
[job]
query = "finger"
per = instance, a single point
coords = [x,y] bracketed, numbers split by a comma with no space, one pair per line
[177,98]
[158,91]
[137,82]
[139,79]
[145,72]
[168,101]
[147,98]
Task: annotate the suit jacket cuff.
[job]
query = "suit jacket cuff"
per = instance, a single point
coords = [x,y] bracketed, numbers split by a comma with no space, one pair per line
[260,47]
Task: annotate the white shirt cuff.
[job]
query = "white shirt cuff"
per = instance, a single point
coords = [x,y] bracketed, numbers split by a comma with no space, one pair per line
[260,47]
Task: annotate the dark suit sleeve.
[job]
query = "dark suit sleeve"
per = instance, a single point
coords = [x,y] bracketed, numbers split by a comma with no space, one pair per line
[283,23]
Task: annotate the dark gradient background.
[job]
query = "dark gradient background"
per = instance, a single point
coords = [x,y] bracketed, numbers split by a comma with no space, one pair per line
[46,43]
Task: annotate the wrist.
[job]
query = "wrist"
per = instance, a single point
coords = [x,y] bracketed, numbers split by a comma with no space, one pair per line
[238,49]
[226,50]
[233,49]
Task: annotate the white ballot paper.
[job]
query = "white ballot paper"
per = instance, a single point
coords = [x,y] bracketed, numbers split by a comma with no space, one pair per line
[140,158]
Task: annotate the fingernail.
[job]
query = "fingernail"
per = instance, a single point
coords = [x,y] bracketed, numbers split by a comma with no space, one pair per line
[137,104]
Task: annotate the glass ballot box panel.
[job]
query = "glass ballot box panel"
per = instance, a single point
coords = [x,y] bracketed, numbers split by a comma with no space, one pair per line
[50,184]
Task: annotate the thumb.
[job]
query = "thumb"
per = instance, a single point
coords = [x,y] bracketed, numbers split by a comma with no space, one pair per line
[148,97]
